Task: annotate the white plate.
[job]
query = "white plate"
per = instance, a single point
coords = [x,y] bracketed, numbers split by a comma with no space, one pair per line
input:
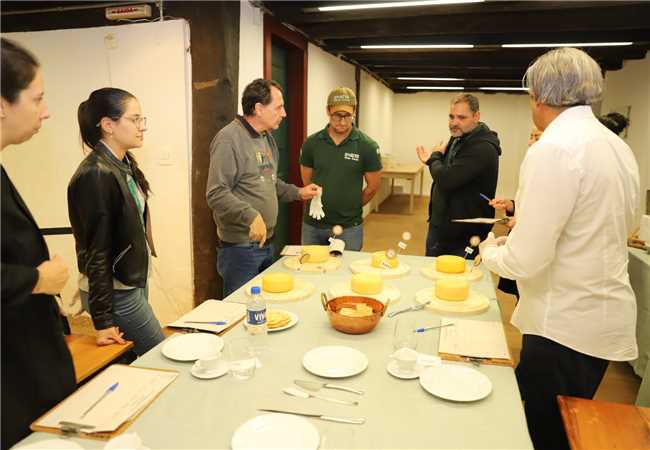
[475,303]
[301,289]
[455,382]
[220,370]
[192,346]
[281,431]
[394,370]
[365,266]
[335,361]
[292,322]
[387,293]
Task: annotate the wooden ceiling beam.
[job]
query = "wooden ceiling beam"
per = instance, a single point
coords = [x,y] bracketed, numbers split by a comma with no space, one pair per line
[305,13]
[629,17]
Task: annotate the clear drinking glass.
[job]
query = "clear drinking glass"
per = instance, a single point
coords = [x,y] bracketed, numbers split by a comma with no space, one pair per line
[404,335]
[242,359]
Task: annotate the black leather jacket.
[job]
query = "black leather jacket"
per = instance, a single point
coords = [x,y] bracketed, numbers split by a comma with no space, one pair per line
[109,235]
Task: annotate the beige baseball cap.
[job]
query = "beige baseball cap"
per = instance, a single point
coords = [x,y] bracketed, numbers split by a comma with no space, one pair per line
[342,99]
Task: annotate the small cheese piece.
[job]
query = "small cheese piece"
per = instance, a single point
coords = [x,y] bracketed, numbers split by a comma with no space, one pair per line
[359,310]
[315,253]
[380,257]
[452,290]
[450,264]
[367,283]
[277,283]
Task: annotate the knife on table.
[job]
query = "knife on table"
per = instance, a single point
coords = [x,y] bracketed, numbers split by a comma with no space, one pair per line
[317,385]
[353,420]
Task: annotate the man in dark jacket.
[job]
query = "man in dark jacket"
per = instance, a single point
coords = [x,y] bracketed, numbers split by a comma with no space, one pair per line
[463,169]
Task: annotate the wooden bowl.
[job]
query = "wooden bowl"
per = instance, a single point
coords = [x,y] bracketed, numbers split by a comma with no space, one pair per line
[352,325]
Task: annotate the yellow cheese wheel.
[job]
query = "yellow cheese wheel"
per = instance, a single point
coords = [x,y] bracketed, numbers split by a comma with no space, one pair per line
[452,290]
[379,257]
[450,264]
[277,282]
[367,283]
[317,253]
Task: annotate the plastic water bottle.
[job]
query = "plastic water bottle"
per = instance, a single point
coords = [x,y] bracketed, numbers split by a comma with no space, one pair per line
[256,317]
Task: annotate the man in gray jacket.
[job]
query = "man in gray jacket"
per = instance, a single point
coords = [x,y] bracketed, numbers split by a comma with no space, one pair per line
[243,188]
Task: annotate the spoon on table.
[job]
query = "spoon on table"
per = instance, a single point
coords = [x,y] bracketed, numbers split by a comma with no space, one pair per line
[302,394]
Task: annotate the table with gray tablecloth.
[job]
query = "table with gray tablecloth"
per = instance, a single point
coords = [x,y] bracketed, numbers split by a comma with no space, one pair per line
[193,413]
[639,270]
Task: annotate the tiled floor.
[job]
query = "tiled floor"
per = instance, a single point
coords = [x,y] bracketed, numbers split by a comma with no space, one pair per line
[382,230]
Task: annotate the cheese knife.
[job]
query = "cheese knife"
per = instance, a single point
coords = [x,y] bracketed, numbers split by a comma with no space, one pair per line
[353,420]
[317,385]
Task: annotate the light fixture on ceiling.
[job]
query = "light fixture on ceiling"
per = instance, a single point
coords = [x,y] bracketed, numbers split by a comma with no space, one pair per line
[436,88]
[575,44]
[429,79]
[415,46]
[502,88]
[394,5]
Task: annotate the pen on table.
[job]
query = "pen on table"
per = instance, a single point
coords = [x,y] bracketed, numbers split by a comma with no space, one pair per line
[208,322]
[423,329]
[104,395]
[485,197]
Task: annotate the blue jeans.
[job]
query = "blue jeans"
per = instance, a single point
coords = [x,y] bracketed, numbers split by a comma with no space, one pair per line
[352,236]
[434,247]
[134,317]
[239,263]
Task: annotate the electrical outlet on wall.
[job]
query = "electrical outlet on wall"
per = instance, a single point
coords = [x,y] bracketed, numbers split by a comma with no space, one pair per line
[165,156]
[110,41]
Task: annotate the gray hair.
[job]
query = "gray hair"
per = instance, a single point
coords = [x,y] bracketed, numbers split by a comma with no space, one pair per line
[471,101]
[564,77]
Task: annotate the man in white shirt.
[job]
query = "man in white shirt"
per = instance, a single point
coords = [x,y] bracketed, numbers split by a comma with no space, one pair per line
[576,201]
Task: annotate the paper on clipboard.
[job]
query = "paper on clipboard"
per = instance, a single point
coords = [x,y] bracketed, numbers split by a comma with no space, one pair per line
[137,388]
[474,339]
[212,311]
[486,220]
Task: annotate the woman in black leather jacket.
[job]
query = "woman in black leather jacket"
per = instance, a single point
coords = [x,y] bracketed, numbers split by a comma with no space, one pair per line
[107,204]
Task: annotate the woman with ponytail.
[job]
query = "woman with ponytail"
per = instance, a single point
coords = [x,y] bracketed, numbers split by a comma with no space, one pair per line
[107,204]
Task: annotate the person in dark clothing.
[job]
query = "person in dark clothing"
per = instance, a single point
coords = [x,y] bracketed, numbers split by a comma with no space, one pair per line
[463,171]
[37,369]
[111,221]
[615,122]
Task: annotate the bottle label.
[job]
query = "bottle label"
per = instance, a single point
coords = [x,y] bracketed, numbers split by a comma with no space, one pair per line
[256,317]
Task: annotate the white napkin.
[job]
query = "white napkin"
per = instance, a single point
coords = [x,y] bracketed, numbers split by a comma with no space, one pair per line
[316,206]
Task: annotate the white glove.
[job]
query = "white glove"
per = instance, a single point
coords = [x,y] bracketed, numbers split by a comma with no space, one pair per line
[316,206]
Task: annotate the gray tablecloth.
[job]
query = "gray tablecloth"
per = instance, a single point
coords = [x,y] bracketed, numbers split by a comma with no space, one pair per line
[193,413]
[639,270]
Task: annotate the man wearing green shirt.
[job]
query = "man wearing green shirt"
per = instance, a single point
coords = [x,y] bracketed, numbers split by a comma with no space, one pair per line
[339,158]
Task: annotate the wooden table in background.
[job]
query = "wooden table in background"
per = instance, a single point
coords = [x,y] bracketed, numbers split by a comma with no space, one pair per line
[89,358]
[404,171]
[593,424]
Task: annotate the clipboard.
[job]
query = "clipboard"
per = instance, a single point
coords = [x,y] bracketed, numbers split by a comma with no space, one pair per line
[212,310]
[69,409]
[475,341]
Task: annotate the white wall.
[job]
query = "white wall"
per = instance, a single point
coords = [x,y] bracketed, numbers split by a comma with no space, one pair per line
[325,72]
[76,62]
[251,46]
[421,119]
[376,120]
[630,86]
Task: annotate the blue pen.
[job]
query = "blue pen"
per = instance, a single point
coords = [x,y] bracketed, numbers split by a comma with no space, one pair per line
[423,329]
[104,395]
[218,322]
[485,197]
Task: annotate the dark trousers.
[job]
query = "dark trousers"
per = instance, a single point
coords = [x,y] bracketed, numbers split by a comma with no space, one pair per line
[547,369]
[239,263]
[435,247]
